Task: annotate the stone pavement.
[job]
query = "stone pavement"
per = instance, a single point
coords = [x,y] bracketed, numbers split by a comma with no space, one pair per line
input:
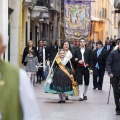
[95,108]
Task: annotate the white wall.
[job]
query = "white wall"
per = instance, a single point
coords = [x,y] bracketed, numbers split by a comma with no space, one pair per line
[14,35]
[4,23]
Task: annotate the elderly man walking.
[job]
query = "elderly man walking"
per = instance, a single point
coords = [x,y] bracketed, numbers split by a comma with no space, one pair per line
[113,68]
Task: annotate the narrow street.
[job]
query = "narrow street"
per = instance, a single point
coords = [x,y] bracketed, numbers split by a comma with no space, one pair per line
[95,108]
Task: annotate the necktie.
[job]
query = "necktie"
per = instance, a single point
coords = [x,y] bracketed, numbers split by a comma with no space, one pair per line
[98,53]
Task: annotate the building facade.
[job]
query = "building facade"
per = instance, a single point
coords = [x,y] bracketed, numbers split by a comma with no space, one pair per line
[103,19]
[117,7]
[28,20]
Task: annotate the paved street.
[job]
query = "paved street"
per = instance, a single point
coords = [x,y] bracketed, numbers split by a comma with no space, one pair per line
[95,108]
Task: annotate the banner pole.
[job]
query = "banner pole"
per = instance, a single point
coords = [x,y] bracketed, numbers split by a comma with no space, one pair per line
[59,27]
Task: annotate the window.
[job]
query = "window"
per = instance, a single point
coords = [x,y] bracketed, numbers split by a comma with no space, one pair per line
[114,20]
[104,13]
[97,13]
[100,14]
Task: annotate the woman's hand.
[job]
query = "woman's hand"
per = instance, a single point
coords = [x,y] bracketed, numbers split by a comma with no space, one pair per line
[71,75]
[76,59]
[81,61]
[90,71]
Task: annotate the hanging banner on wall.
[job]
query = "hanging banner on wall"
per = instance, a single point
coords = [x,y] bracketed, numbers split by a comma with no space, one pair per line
[77,18]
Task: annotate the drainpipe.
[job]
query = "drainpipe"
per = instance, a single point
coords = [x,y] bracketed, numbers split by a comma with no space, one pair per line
[20,34]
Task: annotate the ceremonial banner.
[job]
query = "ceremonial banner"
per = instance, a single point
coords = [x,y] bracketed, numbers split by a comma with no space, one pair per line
[77,18]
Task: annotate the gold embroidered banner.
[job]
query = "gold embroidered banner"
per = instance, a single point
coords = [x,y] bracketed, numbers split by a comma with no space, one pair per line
[77,18]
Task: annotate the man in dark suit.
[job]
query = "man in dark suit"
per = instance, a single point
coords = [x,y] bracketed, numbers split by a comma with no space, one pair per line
[40,73]
[76,45]
[53,51]
[47,54]
[108,47]
[99,64]
[83,58]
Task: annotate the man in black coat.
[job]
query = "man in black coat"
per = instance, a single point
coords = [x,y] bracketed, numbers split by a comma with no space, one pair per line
[83,58]
[47,54]
[108,47]
[99,65]
[40,73]
[53,51]
[76,45]
[113,68]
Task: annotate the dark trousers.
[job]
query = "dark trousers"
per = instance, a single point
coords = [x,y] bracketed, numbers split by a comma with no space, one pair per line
[98,76]
[115,81]
[82,71]
[39,75]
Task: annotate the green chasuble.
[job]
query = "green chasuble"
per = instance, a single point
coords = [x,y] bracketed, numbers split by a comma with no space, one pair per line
[10,107]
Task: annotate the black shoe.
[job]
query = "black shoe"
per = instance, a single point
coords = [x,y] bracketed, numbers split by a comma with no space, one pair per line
[99,88]
[67,98]
[85,97]
[37,81]
[95,88]
[63,101]
[118,112]
[59,101]
[80,99]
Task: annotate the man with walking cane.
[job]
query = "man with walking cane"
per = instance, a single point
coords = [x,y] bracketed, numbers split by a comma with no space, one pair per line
[113,68]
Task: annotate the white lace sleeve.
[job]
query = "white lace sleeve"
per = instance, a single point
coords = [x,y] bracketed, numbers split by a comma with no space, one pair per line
[67,58]
[27,98]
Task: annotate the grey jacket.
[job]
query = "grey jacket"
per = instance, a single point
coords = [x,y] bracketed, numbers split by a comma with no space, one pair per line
[32,62]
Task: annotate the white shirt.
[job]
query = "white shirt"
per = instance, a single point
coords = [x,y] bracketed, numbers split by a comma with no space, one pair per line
[82,52]
[27,98]
[108,47]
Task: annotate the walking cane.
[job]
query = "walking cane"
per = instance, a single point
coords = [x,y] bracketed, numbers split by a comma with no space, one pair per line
[109,94]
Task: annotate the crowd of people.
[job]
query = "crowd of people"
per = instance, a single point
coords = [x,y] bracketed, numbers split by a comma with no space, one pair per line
[62,66]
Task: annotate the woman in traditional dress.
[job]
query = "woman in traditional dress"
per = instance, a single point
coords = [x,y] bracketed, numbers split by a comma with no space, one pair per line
[62,77]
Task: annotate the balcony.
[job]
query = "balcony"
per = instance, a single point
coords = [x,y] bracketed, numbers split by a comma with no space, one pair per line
[117,4]
[37,10]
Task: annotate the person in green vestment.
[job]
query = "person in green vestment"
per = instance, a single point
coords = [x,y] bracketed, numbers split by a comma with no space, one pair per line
[17,99]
